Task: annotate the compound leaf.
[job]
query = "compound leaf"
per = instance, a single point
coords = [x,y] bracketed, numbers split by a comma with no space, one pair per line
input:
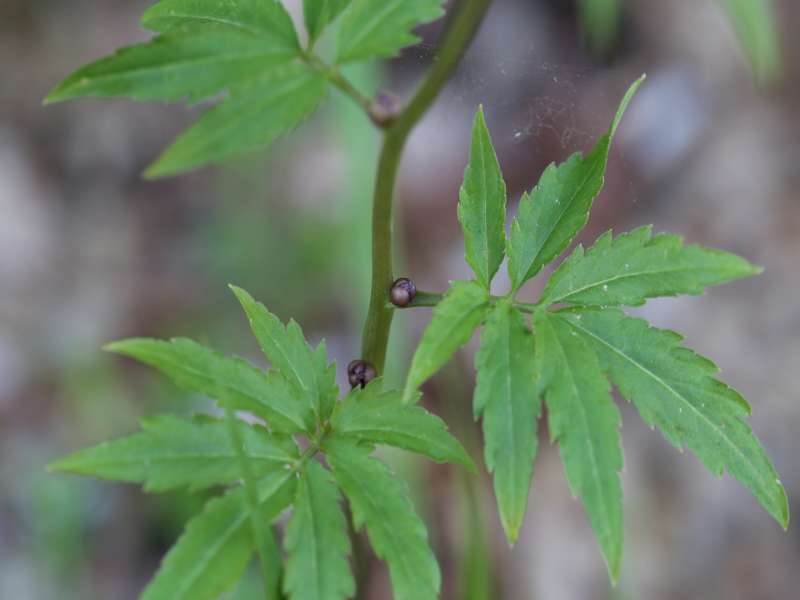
[318,14]
[233,382]
[171,453]
[506,396]
[316,540]
[380,501]
[186,64]
[558,207]
[482,205]
[257,112]
[287,350]
[217,544]
[381,28]
[267,18]
[454,320]
[370,415]
[584,420]
[675,390]
[636,266]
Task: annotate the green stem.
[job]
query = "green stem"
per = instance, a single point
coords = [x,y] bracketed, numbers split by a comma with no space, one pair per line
[430,299]
[335,76]
[379,316]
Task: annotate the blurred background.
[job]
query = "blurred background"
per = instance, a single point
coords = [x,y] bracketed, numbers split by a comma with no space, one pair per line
[90,252]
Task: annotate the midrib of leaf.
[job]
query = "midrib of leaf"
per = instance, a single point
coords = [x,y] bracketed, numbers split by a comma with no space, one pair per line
[372,24]
[592,456]
[626,275]
[485,207]
[510,423]
[214,548]
[719,431]
[398,553]
[203,376]
[210,19]
[172,65]
[464,317]
[403,432]
[162,457]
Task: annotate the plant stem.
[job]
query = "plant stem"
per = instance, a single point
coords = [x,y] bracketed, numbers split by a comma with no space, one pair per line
[335,76]
[430,299]
[379,316]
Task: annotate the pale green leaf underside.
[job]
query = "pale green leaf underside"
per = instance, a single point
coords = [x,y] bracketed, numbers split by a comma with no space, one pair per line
[506,397]
[370,415]
[558,208]
[380,501]
[187,64]
[482,205]
[316,540]
[318,14]
[675,390]
[381,28]
[171,453]
[233,382]
[454,320]
[756,25]
[217,544]
[267,18]
[629,269]
[584,420]
[257,112]
[286,348]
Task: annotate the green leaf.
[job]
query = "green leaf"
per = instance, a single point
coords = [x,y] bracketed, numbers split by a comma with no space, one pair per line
[287,350]
[454,320]
[317,541]
[636,266]
[369,415]
[381,28]
[233,382]
[318,14]
[213,552]
[506,396]
[755,24]
[380,501]
[267,18]
[187,64]
[172,453]
[675,390]
[584,420]
[482,205]
[257,112]
[558,207]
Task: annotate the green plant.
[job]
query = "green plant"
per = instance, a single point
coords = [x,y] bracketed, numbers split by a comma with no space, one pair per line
[303,448]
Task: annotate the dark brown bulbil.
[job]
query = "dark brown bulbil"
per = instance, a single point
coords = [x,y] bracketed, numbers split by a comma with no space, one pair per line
[402,292]
[385,108]
[360,373]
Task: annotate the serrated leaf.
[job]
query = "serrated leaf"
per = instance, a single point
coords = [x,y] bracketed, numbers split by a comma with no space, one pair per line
[317,541]
[257,112]
[381,28]
[506,397]
[558,207]
[267,18]
[233,382]
[454,320]
[482,205]
[187,64]
[674,389]
[380,501]
[369,415]
[287,350]
[584,420]
[171,453]
[217,544]
[755,24]
[318,14]
[636,266]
